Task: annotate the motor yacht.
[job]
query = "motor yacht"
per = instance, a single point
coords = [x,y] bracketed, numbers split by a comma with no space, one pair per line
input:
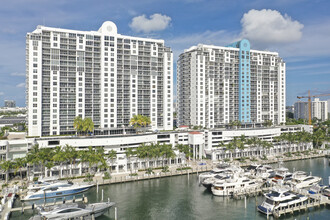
[282,175]
[301,180]
[54,190]
[219,170]
[253,168]
[320,189]
[227,187]
[45,182]
[264,172]
[73,211]
[208,182]
[280,198]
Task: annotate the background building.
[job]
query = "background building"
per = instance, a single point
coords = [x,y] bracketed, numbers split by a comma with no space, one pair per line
[10,104]
[218,85]
[98,74]
[319,110]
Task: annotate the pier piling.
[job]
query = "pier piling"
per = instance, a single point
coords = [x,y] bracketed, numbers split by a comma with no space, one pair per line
[116,217]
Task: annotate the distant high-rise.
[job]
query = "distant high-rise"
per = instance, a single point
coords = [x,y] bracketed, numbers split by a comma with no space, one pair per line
[319,110]
[10,104]
[98,74]
[217,85]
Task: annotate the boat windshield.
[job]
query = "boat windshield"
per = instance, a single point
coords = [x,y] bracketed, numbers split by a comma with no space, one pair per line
[251,167]
[269,201]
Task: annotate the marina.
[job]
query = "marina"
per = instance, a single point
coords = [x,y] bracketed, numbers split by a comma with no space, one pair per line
[181,197]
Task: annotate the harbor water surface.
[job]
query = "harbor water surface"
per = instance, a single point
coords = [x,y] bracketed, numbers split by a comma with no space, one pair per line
[181,197]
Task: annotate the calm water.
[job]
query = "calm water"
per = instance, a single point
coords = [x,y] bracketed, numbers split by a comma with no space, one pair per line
[182,198]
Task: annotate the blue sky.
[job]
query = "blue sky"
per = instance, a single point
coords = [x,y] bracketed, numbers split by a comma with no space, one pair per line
[298,29]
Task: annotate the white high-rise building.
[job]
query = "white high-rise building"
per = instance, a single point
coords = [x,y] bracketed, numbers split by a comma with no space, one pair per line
[100,74]
[217,85]
[319,110]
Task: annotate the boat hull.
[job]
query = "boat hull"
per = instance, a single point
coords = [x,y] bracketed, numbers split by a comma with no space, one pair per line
[55,194]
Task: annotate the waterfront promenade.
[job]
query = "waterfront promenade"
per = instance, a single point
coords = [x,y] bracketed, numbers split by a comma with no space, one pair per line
[195,167]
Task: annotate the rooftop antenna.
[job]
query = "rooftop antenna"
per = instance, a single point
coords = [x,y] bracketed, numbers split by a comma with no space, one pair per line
[43,21]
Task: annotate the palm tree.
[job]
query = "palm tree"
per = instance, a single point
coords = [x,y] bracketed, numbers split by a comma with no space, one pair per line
[146,121]
[59,157]
[318,138]
[71,154]
[33,156]
[129,152]
[141,152]
[6,166]
[100,157]
[112,155]
[19,164]
[49,165]
[88,125]
[168,152]
[185,149]
[136,121]
[78,124]
[44,156]
[91,158]
[268,123]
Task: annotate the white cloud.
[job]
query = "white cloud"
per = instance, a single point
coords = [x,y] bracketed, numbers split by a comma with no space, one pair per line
[156,22]
[267,27]
[20,85]
[18,74]
[2,93]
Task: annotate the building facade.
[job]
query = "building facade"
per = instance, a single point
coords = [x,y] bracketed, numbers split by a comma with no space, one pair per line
[218,85]
[10,104]
[319,110]
[102,75]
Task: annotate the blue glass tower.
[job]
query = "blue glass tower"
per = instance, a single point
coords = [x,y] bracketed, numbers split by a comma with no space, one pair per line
[244,80]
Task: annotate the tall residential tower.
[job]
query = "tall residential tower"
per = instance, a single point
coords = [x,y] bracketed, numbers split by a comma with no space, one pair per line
[100,74]
[217,85]
[319,110]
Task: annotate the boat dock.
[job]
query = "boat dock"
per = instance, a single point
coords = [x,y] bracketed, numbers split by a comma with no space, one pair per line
[251,192]
[33,206]
[313,202]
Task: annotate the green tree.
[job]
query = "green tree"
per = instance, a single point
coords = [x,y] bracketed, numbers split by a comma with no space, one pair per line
[59,157]
[19,163]
[268,123]
[129,153]
[88,125]
[71,155]
[6,165]
[112,156]
[78,124]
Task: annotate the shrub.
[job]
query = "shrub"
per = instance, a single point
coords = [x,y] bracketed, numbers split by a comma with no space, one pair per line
[106,176]
[149,171]
[264,157]
[165,169]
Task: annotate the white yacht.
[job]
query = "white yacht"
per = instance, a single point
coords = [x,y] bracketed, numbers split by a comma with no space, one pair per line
[208,182]
[219,170]
[228,187]
[301,180]
[54,190]
[264,172]
[282,175]
[73,211]
[279,198]
[45,182]
[253,168]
